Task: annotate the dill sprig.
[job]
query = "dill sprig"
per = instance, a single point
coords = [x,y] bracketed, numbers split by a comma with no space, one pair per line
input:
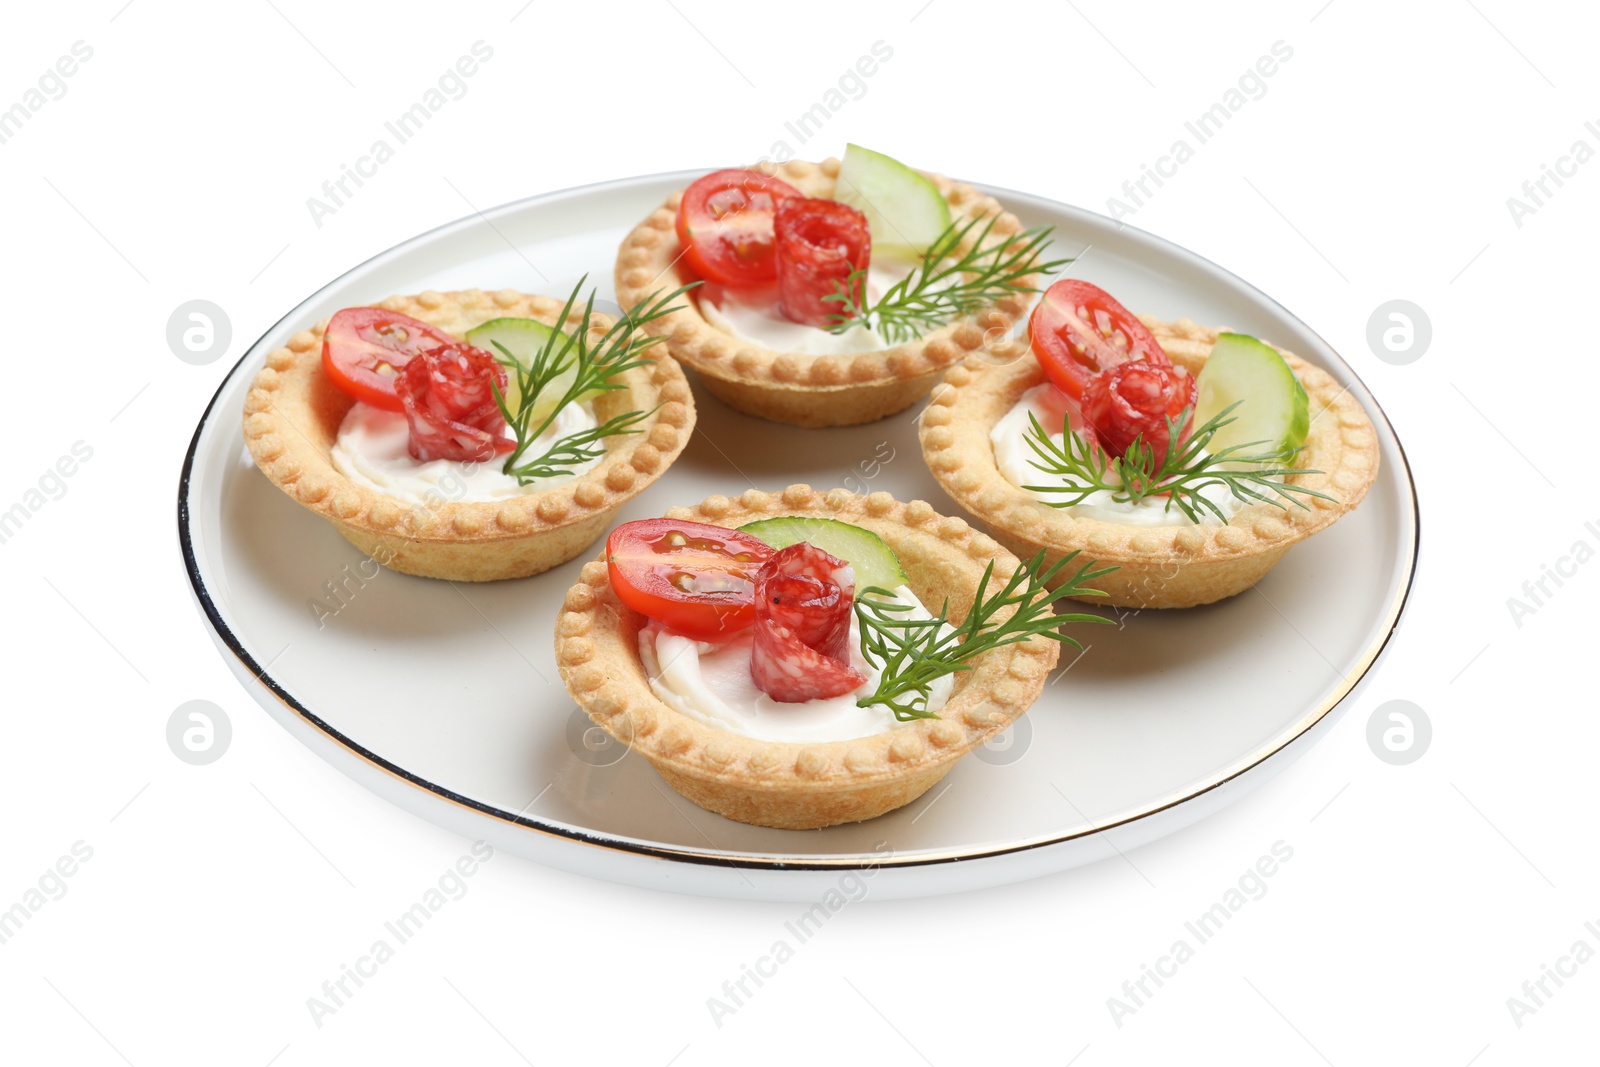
[594,367]
[913,653]
[945,286]
[1181,476]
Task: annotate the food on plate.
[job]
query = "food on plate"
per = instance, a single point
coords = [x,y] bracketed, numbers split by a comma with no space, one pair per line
[467,435]
[803,659]
[834,293]
[1190,458]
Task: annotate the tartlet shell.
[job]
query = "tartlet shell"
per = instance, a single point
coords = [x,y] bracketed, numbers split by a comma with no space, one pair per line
[791,785]
[291,421]
[1158,566]
[802,390]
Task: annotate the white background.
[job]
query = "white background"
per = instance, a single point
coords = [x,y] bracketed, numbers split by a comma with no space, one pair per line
[1377,166]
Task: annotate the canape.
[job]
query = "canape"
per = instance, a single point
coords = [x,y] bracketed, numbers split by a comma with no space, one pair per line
[1189,458]
[835,293]
[804,659]
[469,436]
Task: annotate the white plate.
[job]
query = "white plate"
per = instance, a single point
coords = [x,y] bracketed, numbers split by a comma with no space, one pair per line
[444,698]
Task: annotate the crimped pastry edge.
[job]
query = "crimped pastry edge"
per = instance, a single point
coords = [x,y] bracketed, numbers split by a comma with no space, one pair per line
[804,785]
[1159,566]
[825,390]
[292,415]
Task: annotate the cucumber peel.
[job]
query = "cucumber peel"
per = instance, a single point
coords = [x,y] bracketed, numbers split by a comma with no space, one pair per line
[1273,413]
[905,211]
[874,562]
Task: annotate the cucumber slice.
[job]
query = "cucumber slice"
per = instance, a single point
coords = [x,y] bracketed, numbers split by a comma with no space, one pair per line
[874,562]
[1273,409]
[905,211]
[524,339]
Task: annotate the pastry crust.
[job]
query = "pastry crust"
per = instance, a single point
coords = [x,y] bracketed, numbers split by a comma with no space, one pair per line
[792,785]
[291,421]
[1158,566]
[804,390]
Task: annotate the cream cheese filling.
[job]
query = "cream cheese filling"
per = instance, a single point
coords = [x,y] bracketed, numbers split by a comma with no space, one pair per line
[711,683]
[1015,458]
[373,450]
[751,314]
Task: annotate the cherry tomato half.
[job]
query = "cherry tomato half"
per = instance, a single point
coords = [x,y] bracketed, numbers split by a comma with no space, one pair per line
[1079,330]
[725,226]
[694,578]
[364,350]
